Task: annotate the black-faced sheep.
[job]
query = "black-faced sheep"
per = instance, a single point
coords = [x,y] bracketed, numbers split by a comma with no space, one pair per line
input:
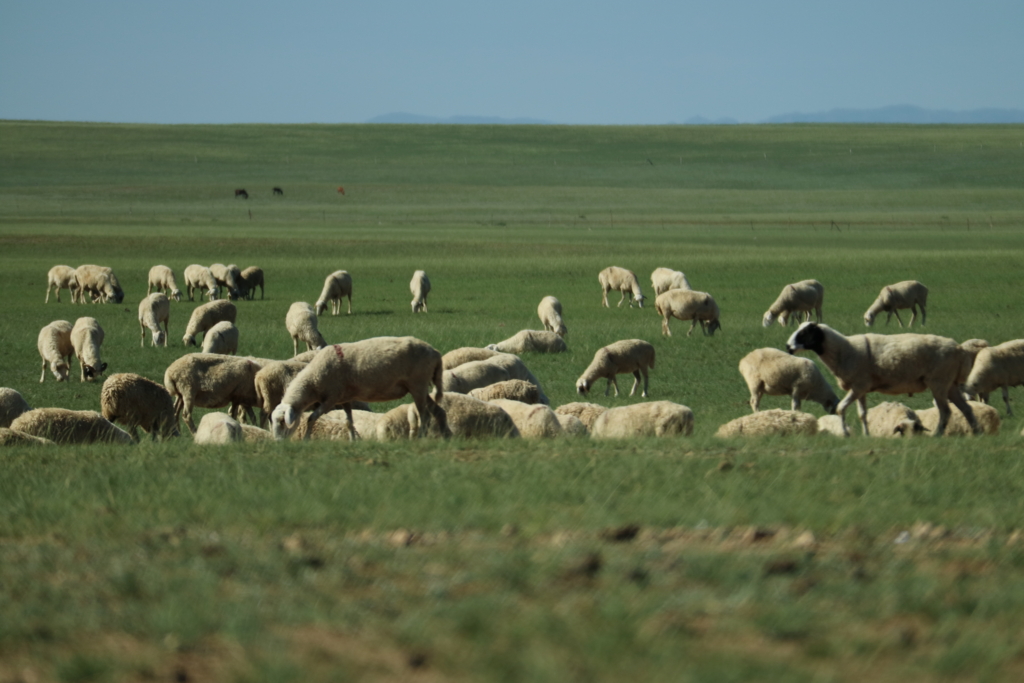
[656,418]
[206,316]
[618,279]
[55,348]
[549,310]
[420,288]
[61,277]
[135,402]
[86,338]
[337,286]
[684,304]
[795,301]
[907,294]
[776,373]
[162,279]
[153,310]
[633,356]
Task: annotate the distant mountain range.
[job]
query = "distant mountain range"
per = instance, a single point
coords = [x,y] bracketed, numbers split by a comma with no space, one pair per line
[402,117]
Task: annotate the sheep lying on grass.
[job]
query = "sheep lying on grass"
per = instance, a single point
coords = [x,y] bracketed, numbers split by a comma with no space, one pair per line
[466,354]
[217,429]
[572,425]
[206,316]
[516,369]
[302,326]
[199,278]
[796,299]
[252,277]
[86,338]
[771,423]
[9,437]
[162,279]
[468,418]
[832,424]
[987,416]
[394,424]
[618,279]
[61,277]
[473,375]
[420,288]
[535,421]
[656,418]
[907,294]
[100,283]
[337,286]
[997,367]
[629,355]
[683,304]
[890,364]
[207,380]
[549,310]
[56,349]
[664,279]
[776,373]
[890,420]
[135,402]
[153,310]
[12,404]
[512,389]
[586,413]
[221,338]
[64,426]
[333,426]
[530,341]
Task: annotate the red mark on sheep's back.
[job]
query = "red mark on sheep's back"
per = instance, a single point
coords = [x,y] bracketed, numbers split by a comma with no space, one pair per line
[337,350]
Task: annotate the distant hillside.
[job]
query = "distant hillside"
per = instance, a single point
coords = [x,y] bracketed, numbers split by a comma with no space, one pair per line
[402,117]
[903,114]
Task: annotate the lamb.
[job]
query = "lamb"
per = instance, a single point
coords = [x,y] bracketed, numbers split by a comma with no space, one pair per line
[208,380]
[61,277]
[907,294]
[664,279]
[374,370]
[572,425]
[206,316]
[629,355]
[890,364]
[800,297]
[473,375]
[618,279]
[55,348]
[549,310]
[200,278]
[64,426]
[587,413]
[337,286]
[9,437]
[135,402]
[420,288]
[252,277]
[655,418]
[217,429]
[153,310]
[12,404]
[221,338]
[271,382]
[469,418]
[86,338]
[776,373]
[891,420]
[333,426]
[526,341]
[162,279]
[698,307]
[533,421]
[100,282]
[229,277]
[466,354]
[512,389]
[987,416]
[773,422]
[1000,366]
[301,324]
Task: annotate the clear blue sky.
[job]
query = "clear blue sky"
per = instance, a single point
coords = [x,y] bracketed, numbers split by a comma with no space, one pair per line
[598,62]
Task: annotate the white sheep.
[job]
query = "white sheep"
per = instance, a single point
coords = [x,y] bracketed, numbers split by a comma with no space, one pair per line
[64,426]
[513,389]
[12,404]
[664,279]
[394,424]
[271,382]
[206,316]
[209,380]
[654,418]
[420,288]
[56,349]
[374,370]
[534,421]
[516,369]
[685,304]
[549,310]
[587,413]
[199,278]
[473,375]
[777,373]
[9,437]
[796,299]
[890,364]
[468,418]
[832,424]
[252,277]
[229,277]
[162,279]
[891,420]
[302,326]
[153,310]
[773,422]
[100,283]
[987,416]
[530,341]
[997,367]
[337,286]
[334,426]
[217,429]
[135,402]
[618,279]
[221,338]
[465,354]
[572,425]
[629,355]
[86,338]
[61,277]
[907,294]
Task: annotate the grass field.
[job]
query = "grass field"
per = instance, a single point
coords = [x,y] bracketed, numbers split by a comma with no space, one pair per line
[689,559]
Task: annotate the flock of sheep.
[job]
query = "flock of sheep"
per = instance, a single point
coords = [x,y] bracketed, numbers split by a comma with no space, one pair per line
[324,392]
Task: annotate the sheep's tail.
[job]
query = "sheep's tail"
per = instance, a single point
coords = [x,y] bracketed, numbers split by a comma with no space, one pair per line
[438,380]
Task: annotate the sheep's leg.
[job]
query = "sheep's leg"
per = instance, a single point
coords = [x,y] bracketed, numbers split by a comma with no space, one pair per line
[755,399]
[43,376]
[442,418]
[604,297]
[898,319]
[862,411]
[186,412]
[913,314]
[958,400]
[295,346]
[623,298]
[1006,400]
[841,409]
[353,435]
[922,314]
[424,415]
[795,402]
[350,305]
[47,300]
[643,371]
[693,324]
[610,383]
[636,383]
[250,416]
[664,327]
[142,339]
[315,415]
[942,403]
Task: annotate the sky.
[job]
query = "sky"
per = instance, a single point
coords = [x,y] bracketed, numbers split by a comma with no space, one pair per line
[592,62]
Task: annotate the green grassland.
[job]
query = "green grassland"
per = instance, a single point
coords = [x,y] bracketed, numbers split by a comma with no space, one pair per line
[682,559]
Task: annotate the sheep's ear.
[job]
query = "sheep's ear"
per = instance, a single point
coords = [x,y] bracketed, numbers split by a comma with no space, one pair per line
[103,367]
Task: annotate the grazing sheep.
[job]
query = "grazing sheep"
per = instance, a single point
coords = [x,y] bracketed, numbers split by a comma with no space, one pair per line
[533,421]
[12,404]
[587,413]
[773,422]
[9,437]
[907,294]
[101,284]
[629,355]
[229,277]
[527,341]
[272,380]
[664,279]
[685,304]
[618,279]
[655,418]
[997,367]
[86,338]
[302,326]
[217,429]
[466,354]
[468,418]
[832,424]
[64,426]
[420,288]
[206,316]
[890,420]
[473,375]
[337,286]
[61,277]
[208,380]
[153,310]
[374,370]
[549,310]
[333,426]
[512,389]
[135,402]
[800,297]
[252,277]
[162,279]
[56,349]
[221,338]
[200,278]
[987,416]
[776,373]
[890,364]
[394,424]
[572,425]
